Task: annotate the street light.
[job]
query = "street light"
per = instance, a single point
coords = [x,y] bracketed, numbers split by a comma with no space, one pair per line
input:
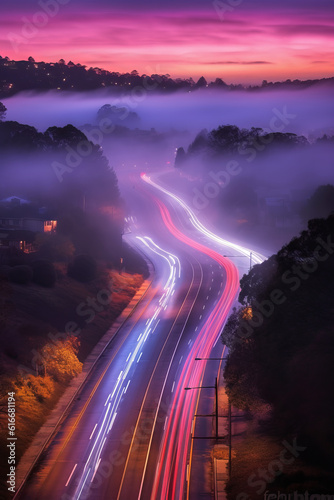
[229,411]
[216,392]
[210,359]
[243,256]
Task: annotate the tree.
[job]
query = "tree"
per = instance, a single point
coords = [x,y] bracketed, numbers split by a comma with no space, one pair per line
[321,203]
[286,357]
[60,359]
[3,111]
[226,138]
[200,143]
[55,247]
[180,157]
[201,83]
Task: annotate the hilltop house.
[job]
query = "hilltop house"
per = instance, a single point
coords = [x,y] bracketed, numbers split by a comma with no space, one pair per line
[20,221]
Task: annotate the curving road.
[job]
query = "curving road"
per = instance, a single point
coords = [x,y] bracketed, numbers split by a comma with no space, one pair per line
[128,434]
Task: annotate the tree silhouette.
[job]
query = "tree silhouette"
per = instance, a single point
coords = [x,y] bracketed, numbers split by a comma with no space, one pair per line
[3,111]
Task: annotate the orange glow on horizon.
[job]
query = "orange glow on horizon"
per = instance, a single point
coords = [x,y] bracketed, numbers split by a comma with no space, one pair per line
[247,47]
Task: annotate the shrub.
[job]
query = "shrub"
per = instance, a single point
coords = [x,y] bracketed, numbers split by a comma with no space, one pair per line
[61,361]
[83,268]
[44,273]
[21,275]
[54,247]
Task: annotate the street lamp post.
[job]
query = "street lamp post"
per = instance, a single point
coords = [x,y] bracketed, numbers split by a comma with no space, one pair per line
[243,256]
[215,387]
[229,415]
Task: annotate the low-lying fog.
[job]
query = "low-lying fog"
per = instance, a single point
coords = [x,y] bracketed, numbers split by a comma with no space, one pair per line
[305,111]
[153,126]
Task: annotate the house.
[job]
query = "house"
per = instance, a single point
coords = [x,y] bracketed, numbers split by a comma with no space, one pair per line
[20,221]
[19,239]
[37,225]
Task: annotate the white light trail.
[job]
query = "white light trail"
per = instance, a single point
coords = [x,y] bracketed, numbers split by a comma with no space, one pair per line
[257,258]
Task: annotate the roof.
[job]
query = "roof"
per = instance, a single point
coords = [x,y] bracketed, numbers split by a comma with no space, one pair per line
[10,199]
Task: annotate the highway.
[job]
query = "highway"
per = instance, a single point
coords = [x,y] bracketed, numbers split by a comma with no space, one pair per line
[128,434]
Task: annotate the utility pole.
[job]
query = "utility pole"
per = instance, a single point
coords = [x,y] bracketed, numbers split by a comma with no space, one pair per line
[216,389]
[243,256]
[216,394]
[229,438]
[229,416]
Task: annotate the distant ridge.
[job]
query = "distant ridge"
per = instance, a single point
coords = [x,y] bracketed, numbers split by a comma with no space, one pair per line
[17,76]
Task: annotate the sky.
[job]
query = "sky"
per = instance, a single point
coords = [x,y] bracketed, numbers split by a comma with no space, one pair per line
[240,41]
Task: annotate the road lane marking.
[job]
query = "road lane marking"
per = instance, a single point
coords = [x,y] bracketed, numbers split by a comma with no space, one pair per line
[173,386]
[163,388]
[84,482]
[93,431]
[74,427]
[97,466]
[127,359]
[69,479]
[180,359]
[112,422]
[140,355]
[105,404]
[156,325]
[126,388]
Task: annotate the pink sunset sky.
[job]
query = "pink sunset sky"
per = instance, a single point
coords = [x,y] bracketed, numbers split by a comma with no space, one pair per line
[246,46]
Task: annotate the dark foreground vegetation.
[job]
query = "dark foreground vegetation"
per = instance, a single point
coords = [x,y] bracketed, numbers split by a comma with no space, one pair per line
[65,273]
[280,364]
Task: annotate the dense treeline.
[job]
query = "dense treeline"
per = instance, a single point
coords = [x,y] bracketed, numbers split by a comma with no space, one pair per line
[281,339]
[16,76]
[62,170]
[231,140]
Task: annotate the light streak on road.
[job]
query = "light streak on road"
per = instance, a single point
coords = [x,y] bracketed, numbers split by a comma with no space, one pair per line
[111,407]
[256,257]
[173,468]
[169,482]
